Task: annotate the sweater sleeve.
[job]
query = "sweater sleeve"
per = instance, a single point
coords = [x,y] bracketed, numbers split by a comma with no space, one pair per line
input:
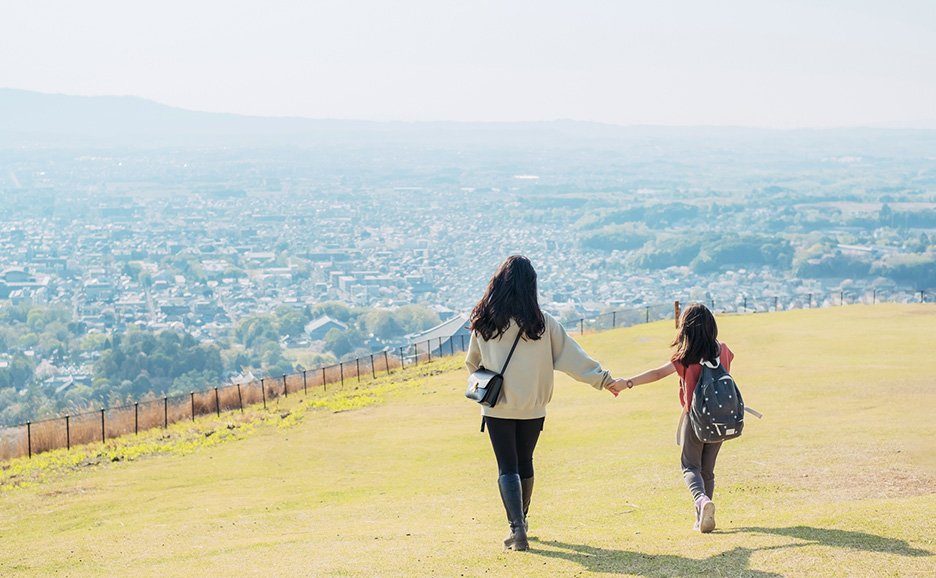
[571,359]
[473,359]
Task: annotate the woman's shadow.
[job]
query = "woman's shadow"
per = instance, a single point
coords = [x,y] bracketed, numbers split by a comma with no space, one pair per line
[731,562]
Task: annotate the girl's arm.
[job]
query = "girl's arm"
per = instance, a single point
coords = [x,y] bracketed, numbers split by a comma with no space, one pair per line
[649,376]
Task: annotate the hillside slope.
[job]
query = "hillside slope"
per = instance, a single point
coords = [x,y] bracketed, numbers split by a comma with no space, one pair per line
[838,479]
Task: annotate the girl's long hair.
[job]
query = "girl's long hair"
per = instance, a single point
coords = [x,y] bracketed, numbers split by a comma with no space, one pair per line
[511,294]
[697,338]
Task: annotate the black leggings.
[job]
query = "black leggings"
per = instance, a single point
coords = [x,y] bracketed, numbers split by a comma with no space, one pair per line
[514,441]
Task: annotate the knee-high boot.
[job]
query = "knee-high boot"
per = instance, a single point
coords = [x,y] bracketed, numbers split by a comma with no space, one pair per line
[512,495]
[526,487]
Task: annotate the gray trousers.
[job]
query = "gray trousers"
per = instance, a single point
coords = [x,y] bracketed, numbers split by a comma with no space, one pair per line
[697,461]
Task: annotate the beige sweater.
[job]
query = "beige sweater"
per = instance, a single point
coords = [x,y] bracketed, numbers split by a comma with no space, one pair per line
[528,381]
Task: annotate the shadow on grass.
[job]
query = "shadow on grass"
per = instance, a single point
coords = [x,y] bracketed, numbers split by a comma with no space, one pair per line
[840,539]
[733,562]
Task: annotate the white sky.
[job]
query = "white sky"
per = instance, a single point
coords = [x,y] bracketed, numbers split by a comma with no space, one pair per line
[780,63]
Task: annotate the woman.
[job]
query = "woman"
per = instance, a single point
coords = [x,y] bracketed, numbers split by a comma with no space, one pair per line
[509,307]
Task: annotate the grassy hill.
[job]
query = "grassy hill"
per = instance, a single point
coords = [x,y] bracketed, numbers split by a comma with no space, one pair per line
[838,479]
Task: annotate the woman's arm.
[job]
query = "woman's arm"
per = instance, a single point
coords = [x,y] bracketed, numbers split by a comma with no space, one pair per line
[473,358]
[571,359]
[648,376]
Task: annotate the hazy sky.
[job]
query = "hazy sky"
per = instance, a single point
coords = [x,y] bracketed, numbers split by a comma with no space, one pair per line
[688,62]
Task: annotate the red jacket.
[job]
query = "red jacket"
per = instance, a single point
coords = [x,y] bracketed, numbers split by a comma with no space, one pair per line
[689,376]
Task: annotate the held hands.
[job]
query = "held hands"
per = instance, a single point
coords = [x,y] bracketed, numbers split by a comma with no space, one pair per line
[618,385]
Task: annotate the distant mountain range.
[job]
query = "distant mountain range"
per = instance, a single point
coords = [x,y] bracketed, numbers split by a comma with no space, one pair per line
[28,118]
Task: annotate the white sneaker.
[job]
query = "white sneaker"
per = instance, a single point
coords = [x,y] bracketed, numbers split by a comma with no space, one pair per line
[705,515]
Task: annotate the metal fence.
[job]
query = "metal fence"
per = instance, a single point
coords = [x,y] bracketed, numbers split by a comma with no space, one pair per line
[107,423]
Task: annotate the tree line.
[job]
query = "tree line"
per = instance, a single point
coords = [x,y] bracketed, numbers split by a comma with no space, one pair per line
[138,364]
[711,236]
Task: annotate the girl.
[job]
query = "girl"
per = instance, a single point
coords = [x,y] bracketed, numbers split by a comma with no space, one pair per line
[696,342]
[510,307]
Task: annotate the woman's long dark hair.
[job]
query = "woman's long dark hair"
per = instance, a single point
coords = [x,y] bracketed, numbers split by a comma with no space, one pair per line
[511,294]
[697,338]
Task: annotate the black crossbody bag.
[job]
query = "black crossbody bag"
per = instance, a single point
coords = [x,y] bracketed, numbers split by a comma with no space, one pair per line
[484,386]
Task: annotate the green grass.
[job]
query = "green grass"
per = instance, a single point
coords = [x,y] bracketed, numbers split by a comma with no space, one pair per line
[311,359]
[838,479]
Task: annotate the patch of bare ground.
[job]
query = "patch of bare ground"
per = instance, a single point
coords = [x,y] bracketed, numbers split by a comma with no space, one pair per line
[78,490]
[880,474]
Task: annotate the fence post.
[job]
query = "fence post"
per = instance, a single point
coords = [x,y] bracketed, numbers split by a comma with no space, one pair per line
[29,437]
[676,313]
[386,361]
[463,341]
[874,297]
[357,371]
[713,305]
[373,369]
[341,372]
[285,389]
[324,386]
[416,354]
[841,298]
[165,411]
[67,433]
[240,400]
[428,350]
[305,389]
[402,362]
[745,303]
[263,392]
[136,418]
[193,405]
[613,319]
[582,326]
[809,306]
[776,303]
[217,402]
[922,299]
[103,434]
[647,318]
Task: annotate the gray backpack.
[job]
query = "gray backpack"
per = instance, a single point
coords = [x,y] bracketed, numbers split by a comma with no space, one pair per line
[717,410]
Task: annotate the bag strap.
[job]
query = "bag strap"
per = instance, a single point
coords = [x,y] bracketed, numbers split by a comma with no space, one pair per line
[509,355]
